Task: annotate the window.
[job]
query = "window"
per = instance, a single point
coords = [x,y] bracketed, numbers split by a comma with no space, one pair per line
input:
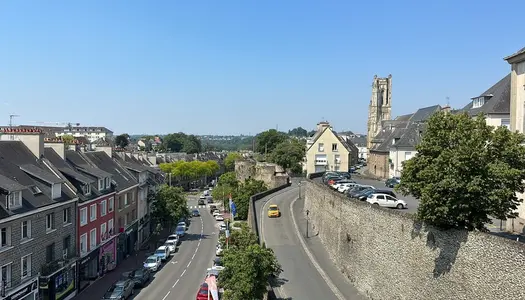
[103,208]
[5,275]
[132,197]
[26,230]
[92,212]
[66,244]
[334,147]
[50,253]
[15,199]
[56,190]
[83,243]
[126,220]
[321,147]
[83,216]
[111,204]
[120,202]
[5,237]
[93,239]
[35,189]
[120,222]
[478,102]
[103,231]
[110,227]
[86,189]
[337,159]
[50,222]
[100,184]
[25,264]
[126,200]
[66,216]
[408,155]
[108,183]
[133,214]
[505,123]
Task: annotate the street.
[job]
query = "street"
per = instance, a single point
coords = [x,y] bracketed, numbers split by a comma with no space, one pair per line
[300,279]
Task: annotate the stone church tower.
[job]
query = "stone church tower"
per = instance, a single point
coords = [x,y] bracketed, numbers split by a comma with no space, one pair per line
[380,107]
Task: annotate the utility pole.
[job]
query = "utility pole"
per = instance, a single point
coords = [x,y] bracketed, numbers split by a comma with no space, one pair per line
[11,117]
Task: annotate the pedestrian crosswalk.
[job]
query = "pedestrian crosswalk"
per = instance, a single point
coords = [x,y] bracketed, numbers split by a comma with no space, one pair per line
[197,206]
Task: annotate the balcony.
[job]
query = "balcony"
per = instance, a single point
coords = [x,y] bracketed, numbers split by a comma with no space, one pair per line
[321,162]
[51,267]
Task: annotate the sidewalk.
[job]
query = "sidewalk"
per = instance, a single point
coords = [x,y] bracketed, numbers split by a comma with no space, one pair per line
[323,259]
[97,289]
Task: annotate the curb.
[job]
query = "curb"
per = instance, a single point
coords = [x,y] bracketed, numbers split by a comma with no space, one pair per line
[323,274]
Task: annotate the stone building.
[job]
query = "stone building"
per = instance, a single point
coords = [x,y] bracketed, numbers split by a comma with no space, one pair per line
[273,175]
[380,107]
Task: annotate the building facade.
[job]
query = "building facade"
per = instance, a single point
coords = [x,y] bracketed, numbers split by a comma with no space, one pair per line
[517,121]
[380,107]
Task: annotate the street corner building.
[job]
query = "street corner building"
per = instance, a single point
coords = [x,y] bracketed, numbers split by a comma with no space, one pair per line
[68,214]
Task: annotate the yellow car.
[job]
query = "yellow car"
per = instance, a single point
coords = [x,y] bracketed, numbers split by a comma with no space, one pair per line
[273,211]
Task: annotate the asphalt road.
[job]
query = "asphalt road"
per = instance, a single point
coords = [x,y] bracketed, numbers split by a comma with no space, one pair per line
[299,279]
[181,277]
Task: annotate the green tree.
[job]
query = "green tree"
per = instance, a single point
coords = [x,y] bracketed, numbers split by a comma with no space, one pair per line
[266,141]
[228,179]
[298,132]
[227,185]
[246,272]
[229,161]
[191,144]
[464,172]
[173,142]
[169,206]
[242,195]
[289,155]
[122,141]
[68,140]
[241,239]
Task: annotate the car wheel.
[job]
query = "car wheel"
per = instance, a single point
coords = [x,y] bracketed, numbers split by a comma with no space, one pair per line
[376,204]
[400,206]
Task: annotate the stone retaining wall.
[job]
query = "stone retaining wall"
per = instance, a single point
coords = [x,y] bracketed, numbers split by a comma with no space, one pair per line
[388,255]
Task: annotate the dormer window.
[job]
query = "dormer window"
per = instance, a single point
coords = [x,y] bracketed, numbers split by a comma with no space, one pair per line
[35,190]
[14,199]
[100,184]
[478,102]
[108,182]
[86,189]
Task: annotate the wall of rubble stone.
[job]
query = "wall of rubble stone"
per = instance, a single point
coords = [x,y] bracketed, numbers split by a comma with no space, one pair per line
[388,255]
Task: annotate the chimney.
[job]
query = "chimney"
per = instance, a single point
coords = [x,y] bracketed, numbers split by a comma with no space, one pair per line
[33,138]
[322,125]
[446,108]
[107,149]
[57,144]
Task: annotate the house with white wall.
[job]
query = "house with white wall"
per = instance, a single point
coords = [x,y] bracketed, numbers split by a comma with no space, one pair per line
[517,117]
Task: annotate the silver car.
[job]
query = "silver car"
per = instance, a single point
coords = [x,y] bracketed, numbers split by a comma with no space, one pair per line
[153,263]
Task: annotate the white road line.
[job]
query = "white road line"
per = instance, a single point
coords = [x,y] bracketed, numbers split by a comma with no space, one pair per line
[183,272]
[189,264]
[193,255]
[175,283]
[196,249]
[166,295]
[199,243]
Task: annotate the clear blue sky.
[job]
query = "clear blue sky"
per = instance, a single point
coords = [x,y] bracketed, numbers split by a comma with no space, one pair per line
[232,67]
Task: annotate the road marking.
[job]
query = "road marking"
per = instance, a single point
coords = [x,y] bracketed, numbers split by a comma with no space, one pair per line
[326,278]
[175,283]
[196,206]
[166,295]
[183,273]
[194,255]
[189,264]
[196,249]
[174,262]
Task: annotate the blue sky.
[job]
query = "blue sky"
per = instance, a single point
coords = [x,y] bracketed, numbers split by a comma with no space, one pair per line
[232,67]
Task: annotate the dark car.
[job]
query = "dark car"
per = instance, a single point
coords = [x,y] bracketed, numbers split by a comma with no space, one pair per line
[122,289]
[139,277]
[212,208]
[346,175]
[356,190]
[185,220]
[217,262]
[201,202]
[365,195]
[195,213]
[392,182]
[357,193]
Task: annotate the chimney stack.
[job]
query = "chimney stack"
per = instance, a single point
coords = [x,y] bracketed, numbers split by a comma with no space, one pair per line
[446,108]
[33,138]
[57,144]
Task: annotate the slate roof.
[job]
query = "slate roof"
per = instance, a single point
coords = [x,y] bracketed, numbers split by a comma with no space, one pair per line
[103,142]
[359,141]
[123,178]
[498,103]
[411,136]
[13,154]
[423,114]
[521,51]
[403,117]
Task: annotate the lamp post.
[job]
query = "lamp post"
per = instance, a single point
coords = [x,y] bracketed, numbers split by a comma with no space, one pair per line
[307,213]
[299,184]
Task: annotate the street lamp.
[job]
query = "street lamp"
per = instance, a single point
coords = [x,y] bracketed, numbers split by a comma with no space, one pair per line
[299,184]
[307,213]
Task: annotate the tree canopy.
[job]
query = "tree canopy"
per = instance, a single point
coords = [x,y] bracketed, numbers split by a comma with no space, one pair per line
[170,205]
[191,169]
[266,141]
[247,267]
[289,155]
[68,140]
[181,142]
[465,172]
[122,141]
[298,132]
[229,161]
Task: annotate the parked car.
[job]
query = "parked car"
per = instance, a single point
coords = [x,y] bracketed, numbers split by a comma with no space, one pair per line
[218,250]
[139,277]
[209,199]
[219,217]
[363,196]
[153,263]
[122,289]
[201,202]
[195,213]
[223,227]
[392,182]
[203,292]
[163,252]
[345,187]
[182,224]
[187,221]
[212,208]
[385,200]
[358,190]
[173,238]
[180,231]
[339,183]
[172,246]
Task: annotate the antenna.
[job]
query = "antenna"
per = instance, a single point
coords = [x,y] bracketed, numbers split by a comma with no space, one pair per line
[448,100]
[11,117]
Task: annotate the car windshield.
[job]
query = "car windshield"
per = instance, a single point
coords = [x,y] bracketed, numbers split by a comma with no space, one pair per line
[195,211]
[169,244]
[138,273]
[160,252]
[273,208]
[151,260]
[180,229]
[118,288]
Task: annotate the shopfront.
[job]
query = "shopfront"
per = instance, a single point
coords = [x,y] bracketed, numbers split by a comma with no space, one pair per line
[127,242]
[61,285]
[88,269]
[27,291]
[107,257]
